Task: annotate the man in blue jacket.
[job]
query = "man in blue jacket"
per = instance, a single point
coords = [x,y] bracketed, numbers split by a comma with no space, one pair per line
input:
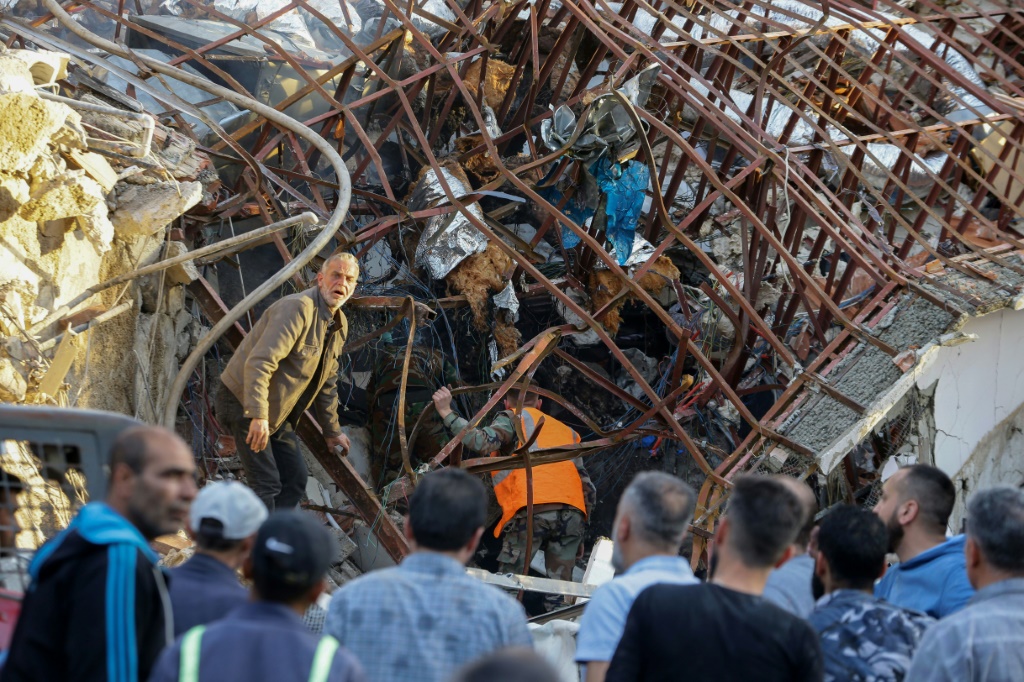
[96,610]
[931,576]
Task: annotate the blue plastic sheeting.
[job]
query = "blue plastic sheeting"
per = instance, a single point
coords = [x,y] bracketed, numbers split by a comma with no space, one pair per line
[625,186]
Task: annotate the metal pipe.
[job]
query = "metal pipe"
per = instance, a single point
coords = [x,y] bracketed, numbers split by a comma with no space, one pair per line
[221,248]
[99,319]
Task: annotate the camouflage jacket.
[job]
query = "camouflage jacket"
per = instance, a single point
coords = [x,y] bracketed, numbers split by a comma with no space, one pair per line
[500,436]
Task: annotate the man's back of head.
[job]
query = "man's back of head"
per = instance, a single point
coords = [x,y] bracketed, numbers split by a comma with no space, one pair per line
[656,509]
[764,517]
[509,665]
[852,543]
[447,512]
[290,559]
[995,536]
[224,517]
[809,504]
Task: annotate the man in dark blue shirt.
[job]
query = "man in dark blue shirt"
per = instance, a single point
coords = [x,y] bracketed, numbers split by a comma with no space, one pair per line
[223,522]
[266,640]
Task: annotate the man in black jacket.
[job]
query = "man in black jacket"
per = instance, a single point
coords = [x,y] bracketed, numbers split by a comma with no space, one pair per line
[97,609]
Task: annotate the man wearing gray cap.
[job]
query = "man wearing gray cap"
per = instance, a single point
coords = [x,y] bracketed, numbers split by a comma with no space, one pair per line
[265,640]
[223,523]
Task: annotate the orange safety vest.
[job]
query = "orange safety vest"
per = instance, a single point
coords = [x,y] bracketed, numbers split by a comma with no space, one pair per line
[552,483]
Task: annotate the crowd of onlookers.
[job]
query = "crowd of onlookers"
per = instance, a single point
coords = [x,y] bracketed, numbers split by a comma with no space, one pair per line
[792,593]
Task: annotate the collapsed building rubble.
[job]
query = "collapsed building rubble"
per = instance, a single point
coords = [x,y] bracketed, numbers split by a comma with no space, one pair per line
[712,235]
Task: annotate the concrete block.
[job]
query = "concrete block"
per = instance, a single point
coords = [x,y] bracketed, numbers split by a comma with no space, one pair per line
[26,125]
[147,209]
[12,384]
[183,273]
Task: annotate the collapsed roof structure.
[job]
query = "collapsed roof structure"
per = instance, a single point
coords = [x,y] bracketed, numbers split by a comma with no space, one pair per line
[726,232]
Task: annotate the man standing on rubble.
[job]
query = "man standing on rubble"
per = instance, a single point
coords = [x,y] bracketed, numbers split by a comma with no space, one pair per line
[287,363]
[563,494]
[96,610]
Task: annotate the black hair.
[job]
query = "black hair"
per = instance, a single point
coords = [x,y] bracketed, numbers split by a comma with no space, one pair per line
[509,665]
[854,542]
[210,537]
[765,517]
[446,509]
[934,492]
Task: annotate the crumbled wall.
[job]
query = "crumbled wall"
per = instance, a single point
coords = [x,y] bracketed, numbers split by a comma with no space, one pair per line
[62,231]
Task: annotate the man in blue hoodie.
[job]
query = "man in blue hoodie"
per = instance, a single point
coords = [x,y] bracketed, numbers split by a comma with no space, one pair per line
[931,576]
[97,609]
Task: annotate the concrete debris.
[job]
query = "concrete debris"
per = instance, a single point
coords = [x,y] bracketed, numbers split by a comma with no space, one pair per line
[144,210]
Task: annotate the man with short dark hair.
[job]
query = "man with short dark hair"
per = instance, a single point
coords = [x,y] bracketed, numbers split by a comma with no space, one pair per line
[789,585]
[266,640]
[650,523]
[862,637]
[725,630]
[287,364]
[915,506]
[95,611]
[423,619]
[509,665]
[223,523]
[984,641]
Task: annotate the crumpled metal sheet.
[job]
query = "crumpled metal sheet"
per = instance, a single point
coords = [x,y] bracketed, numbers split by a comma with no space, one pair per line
[506,299]
[640,252]
[450,238]
[608,128]
[374,9]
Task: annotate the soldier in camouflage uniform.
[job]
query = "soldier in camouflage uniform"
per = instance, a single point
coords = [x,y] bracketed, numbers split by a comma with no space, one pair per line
[561,504]
[427,369]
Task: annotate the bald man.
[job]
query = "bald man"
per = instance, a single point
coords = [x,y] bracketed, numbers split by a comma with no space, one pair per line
[285,365]
[95,609]
[789,586]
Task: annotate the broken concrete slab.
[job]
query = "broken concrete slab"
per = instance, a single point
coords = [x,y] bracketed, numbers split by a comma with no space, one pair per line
[26,125]
[143,210]
[182,273]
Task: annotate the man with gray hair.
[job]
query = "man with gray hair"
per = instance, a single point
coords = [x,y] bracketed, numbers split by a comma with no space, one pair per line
[650,524]
[984,641]
[285,365]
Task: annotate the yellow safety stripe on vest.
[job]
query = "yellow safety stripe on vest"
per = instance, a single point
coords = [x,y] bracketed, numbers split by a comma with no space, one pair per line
[190,649]
[323,658]
[191,645]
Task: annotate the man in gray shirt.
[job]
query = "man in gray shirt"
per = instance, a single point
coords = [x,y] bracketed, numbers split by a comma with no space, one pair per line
[984,641]
[789,585]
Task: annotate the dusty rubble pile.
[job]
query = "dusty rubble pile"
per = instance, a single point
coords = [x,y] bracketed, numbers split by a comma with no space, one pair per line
[73,213]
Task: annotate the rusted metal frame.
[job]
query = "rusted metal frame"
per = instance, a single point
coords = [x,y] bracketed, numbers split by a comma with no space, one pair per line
[823,64]
[408,311]
[960,148]
[884,46]
[917,70]
[983,40]
[790,261]
[600,380]
[698,211]
[188,52]
[815,367]
[285,187]
[338,468]
[528,267]
[346,66]
[902,186]
[301,158]
[517,75]
[243,30]
[534,352]
[980,196]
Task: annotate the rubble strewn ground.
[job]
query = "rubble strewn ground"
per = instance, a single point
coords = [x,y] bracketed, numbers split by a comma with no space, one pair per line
[712,233]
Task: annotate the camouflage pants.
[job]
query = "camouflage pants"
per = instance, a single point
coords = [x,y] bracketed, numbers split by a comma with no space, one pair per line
[558,533]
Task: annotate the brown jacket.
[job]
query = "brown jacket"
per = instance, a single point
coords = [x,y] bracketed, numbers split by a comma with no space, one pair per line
[276,361]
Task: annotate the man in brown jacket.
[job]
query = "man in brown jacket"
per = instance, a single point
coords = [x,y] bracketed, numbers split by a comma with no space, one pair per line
[285,365]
